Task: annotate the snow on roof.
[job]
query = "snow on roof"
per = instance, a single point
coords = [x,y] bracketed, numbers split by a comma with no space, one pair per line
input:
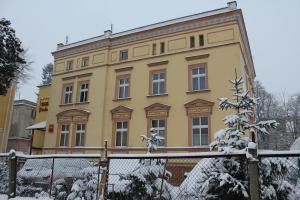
[37,126]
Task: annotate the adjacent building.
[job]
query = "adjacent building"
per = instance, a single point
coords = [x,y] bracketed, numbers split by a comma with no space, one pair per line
[23,116]
[167,75]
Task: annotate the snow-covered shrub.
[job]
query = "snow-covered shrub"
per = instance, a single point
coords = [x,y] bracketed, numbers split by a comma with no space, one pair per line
[86,187]
[59,189]
[3,177]
[227,178]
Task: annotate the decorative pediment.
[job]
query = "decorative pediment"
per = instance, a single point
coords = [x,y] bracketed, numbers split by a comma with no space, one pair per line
[199,106]
[157,110]
[121,112]
[73,115]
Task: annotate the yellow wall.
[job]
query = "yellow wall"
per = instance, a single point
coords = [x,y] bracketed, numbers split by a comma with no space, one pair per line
[6,103]
[222,43]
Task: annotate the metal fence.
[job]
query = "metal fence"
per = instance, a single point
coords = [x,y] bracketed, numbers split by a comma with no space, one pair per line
[279,172]
[169,176]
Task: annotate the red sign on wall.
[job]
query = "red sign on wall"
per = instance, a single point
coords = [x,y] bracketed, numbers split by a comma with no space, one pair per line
[51,128]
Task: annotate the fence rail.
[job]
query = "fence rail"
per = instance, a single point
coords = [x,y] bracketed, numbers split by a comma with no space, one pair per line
[143,176]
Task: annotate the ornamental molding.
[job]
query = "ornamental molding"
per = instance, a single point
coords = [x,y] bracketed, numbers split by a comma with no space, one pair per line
[121,112]
[199,106]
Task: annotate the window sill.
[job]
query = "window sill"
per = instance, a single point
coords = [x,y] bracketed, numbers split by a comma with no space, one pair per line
[79,103]
[68,104]
[123,99]
[157,95]
[198,91]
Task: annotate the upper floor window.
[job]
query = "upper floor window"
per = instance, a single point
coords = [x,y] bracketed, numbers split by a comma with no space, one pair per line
[159,126]
[64,135]
[83,92]
[200,131]
[198,77]
[68,94]
[124,54]
[69,65]
[192,41]
[80,132]
[121,133]
[154,49]
[85,61]
[162,47]
[123,87]
[201,40]
[158,83]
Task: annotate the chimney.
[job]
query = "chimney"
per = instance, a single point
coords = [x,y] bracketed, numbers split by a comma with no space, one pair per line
[107,33]
[232,5]
[59,45]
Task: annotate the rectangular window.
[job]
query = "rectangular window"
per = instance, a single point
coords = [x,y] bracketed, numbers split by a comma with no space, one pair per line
[64,135]
[69,65]
[123,87]
[83,92]
[159,126]
[158,83]
[85,62]
[121,133]
[192,42]
[201,40]
[68,94]
[200,131]
[162,47]
[154,49]
[198,75]
[124,54]
[80,132]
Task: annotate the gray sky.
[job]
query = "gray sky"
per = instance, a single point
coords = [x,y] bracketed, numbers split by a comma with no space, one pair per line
[272,25]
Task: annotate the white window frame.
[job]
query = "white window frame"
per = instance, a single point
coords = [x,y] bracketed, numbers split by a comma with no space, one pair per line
[158,129]
[158,81]
[84,91]
[122,131]
[68,94]
[198,76]
[81,133]
[123,85]
[200,127]
[69,65]
[64,133]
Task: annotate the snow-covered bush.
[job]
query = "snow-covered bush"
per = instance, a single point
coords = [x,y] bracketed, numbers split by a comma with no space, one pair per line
[86,187]
[3,177]
[60,189]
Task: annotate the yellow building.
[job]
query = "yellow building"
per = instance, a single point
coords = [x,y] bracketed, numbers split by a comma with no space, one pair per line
[167,75]
[6,105]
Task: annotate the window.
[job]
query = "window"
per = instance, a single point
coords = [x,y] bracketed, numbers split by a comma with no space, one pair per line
[200,131]
[64,135]
[159,126]
[124,54]
[69,65]
[68,94]
[201,40]
[121,133]
[80,132]
[123,85]
[162,47]
[154,49]
[158,83]
[192,41]
[198,77]
[85,62]
[84,90]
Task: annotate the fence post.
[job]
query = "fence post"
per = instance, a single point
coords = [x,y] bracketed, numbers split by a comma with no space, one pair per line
[51,180]
[12,165]
[104,176]
[253,172]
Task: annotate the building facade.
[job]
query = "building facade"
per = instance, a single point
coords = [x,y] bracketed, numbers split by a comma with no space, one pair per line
[168,76]
[6,104]
[23,116]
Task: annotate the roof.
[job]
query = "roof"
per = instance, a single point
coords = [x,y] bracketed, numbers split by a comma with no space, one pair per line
[37,126]
[231,6]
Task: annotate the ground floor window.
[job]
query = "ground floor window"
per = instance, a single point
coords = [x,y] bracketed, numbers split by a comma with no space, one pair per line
[121,133]
[159,126]
[200,131]
[64,135]
[80,132]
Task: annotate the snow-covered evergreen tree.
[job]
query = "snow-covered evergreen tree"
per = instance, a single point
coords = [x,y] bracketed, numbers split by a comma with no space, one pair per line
[59,189]
[152,140]
[227,178]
